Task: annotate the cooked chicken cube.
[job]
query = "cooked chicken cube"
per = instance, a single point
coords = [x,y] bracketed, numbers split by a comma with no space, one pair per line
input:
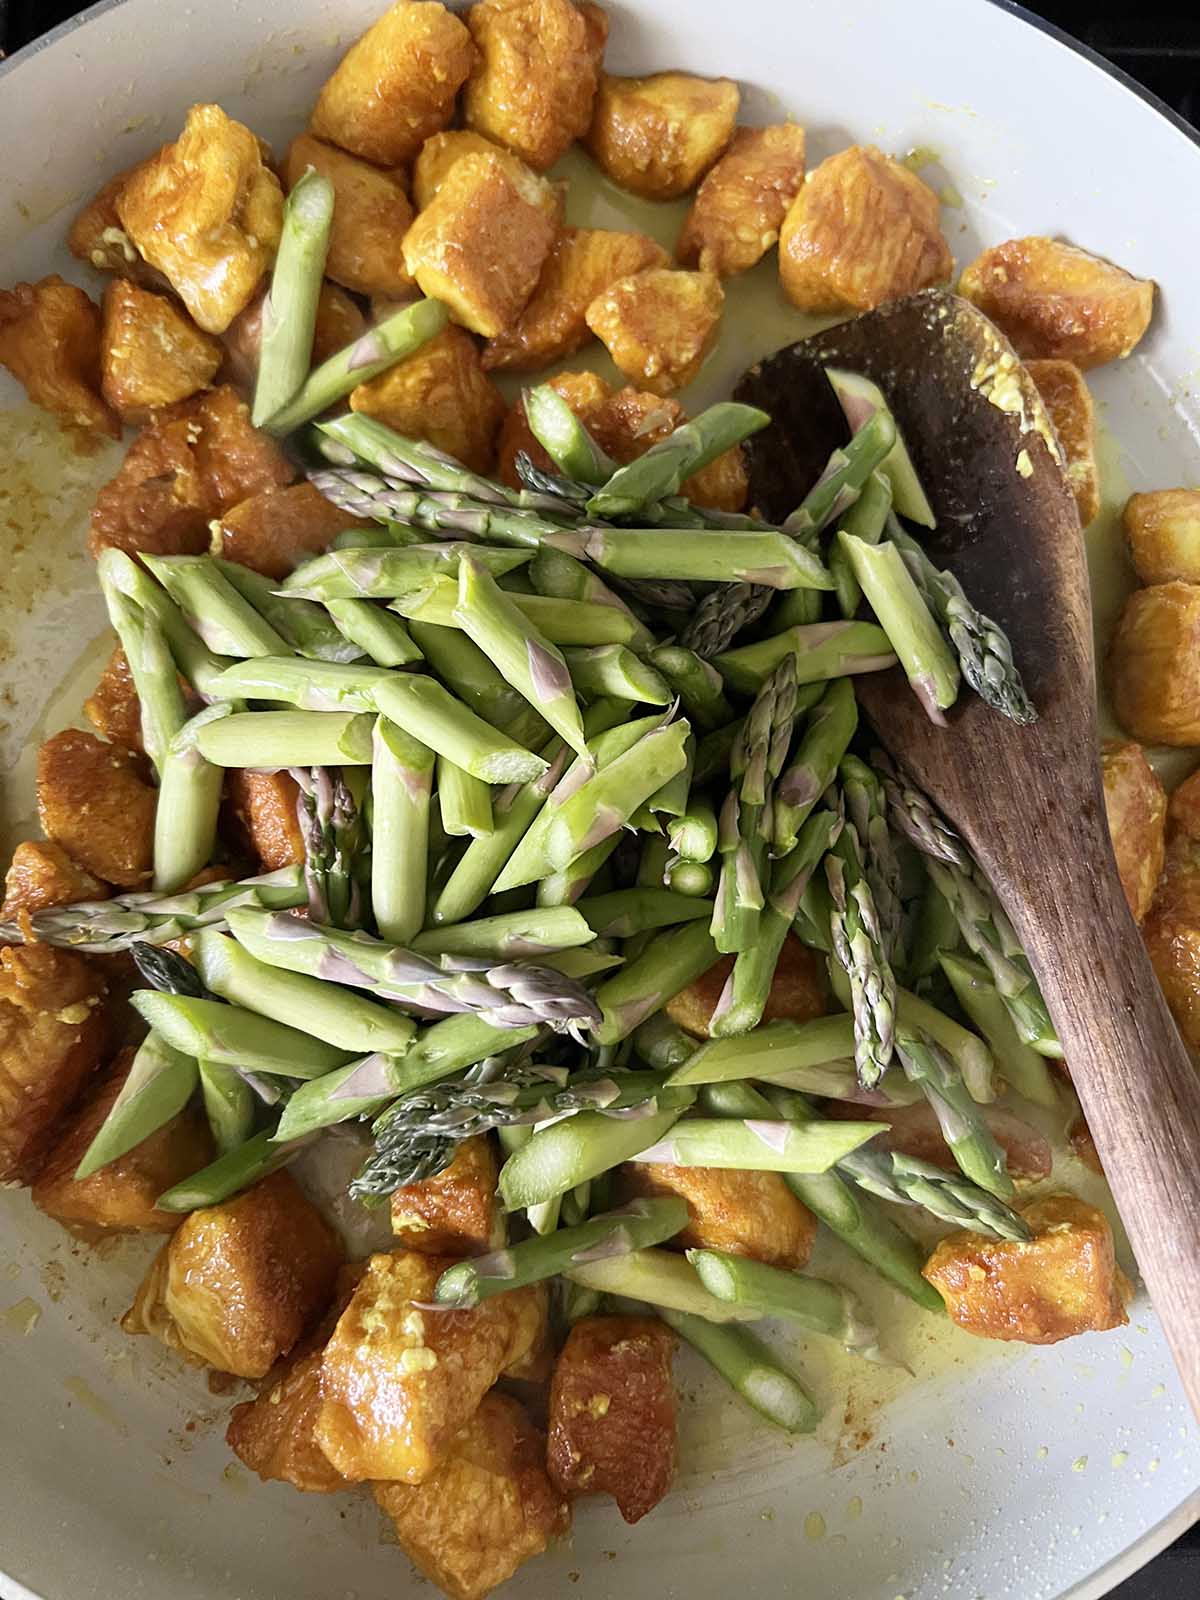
[748,1213]
[93,799]
[1069,402]
[658,136]
[1163,530]
[339,323]
[440,393]
[397,84]
[206,211]
[799,991]
[371,215]
[534,79]
[151,353]
[97,237]
[480,243]
[399,1382]
[487,1508]
[440,153]
[583,263]
[113,707]
[42,874]
[863,230]
[612,1413]
[190,464]
[1137,815]
[237,1284]
[120,1198]
[1154,665]
[273,532]
[1064,1281]
[455,1213]
[50,342]
[53,1034]
[1183,812]
[1057,301]
[264,812]
[659,325]
[739,208]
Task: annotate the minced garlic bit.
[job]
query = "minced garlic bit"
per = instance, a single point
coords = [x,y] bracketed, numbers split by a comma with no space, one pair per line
[418,1359]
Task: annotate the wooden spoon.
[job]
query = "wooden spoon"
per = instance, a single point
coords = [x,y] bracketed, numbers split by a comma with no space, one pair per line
[1028,800]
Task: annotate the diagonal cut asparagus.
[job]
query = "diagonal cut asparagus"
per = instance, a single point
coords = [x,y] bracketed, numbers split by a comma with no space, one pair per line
[160,1082]
[813,1303]
[424,709]
[289,308]
[1018,1063]
[557,576]
[750,1368]
[613,669]
[401,787]
[906,618]
[570,1152]
[829,728]
[822,650]
[563,622]
[963,1128]
[625,912]
[671,960]
[758,1146]
[865,520]
[225,621]
[228,1104]
[508,935]
[373,631]
[464,802]
[464,668]
[606,801]
[234,1037]
[857,941]
[272,739]
[564,438]
[662,470]
[230,1174]
[189,800]
[307,627]
[383,574]
[843,476]
[696,554]
[767,1050]
[198,664]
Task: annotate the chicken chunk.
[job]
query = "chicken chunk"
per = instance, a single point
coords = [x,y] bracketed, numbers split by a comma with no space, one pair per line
[207,212]
[93,800]
[612,1413]
[97,237]
[1154,665]
[1064,1281]
[151,353]
[658,136]
[487,1508]
[113,707]
[273,532]
[1163,530]
[1137,815]
[53,1034]
[534,79]
[41,875]
[659,325]
[191,464]
[441,152]
[397,84]
[237,1284]
[371,214]
[863,230]
[456,1212]
[120,1198]
[1172,926]
[50,342]
[440,393]
[398,1382]
[480,243]
[739,208]
[1056,301]
[583,263]
[1069,402]
[748,1213]
[799,991]
[264,813]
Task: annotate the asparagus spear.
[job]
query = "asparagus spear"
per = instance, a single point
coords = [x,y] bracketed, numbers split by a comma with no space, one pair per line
[822,650]
[306,685]
[827,734]
[198,664]
[749,1368]
[332,829]
[565,1153]
[152,669]
[230,1174]
[289,310]
[757,1146]
[234,1037]
[1019,1064]
[225,621]
[564,438]
[373,631]
[465,669]
[724,612]
[410,461]
[308,628]
[968,1052]
[270,739]
[613,669]
[228,1105]
[949,1196]
[671,961]
[663,469]
[692,835]
[906,619]
[160,1083]
[858,946]
[360,1089]
[381,347]
[865,519]
[661,1279]
[465,802]
[624,912]
[696,554]
[813,1303]
[964,1130]
[383,574]
[605,802]
[401,785]
[860,399]
[482,514]
[697,684]
[768,1050]
[425,710]
[456,1044]
[844,474]
[563,622]
[663,1044]
[508,935]
[189,800]
[557,576]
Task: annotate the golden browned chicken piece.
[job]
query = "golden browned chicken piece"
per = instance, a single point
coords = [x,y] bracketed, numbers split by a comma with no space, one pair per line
[480,243]
[113,707]
[440,153]
[1163,530]
[1069,402]
[397,84]
[206,211]
[659,325]
[799,990]
[440,393]
[236,1285]
[273,1433]
[371,214]
[534,79]
[50,342]
[273,532]
[398,1382]
[658,136]
[264,812]
[93,799]
[1054,300]
[1137,815]
[151,353]
[1154,665]
[455,1213]
[863,230]
[748,1213]
[339,323]
[1064,1281]
[583,263]
[42,874]
[739,208]
[612,1413]
[193,462]
[487,1508]
[54,1032]
[1172,926]
[120,1198]
[97,237]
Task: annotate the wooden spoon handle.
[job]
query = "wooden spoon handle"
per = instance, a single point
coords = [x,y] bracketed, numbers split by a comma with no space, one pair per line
[1135,1080]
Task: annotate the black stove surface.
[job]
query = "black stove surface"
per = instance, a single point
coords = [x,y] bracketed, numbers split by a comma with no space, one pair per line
[1159,46]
